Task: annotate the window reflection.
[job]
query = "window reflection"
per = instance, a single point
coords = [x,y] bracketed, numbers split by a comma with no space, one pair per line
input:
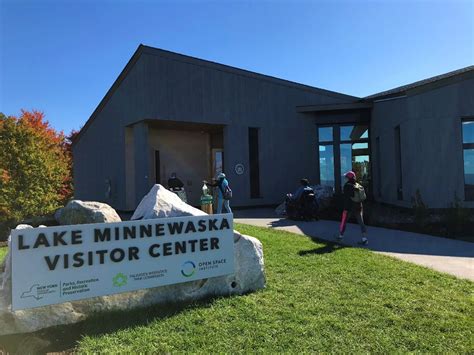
[325,134]
[353,133]
[355,157]
[468,152]
[326,165]
[468,132]
[469,174]
[353,153]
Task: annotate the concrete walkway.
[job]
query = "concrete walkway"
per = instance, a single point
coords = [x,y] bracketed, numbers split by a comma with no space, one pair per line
[446,255]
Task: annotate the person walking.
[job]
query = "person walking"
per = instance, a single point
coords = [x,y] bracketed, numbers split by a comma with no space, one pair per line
[354,195]
[224,193]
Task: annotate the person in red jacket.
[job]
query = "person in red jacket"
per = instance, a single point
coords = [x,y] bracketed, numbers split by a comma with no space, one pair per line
[350,206]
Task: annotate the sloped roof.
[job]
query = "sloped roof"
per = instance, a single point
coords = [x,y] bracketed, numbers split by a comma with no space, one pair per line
[217,66]
[402,89]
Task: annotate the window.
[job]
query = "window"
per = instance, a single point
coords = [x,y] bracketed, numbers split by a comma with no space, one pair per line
[254,169]
[343,148]
[468,154]
[326,165]
[325,134]
[354,152]
[398,163]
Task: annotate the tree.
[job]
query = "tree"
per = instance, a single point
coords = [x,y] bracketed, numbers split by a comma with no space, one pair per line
[35,167]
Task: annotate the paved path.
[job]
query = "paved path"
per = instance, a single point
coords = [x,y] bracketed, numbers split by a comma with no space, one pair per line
[446,255]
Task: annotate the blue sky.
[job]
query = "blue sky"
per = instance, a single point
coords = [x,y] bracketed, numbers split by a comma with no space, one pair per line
[61,57]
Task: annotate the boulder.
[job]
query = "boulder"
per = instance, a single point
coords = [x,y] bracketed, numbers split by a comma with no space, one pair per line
[324,195]
[83,212]
[161,202]
[249,276]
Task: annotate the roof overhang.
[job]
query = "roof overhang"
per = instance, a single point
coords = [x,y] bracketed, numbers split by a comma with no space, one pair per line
[335,107]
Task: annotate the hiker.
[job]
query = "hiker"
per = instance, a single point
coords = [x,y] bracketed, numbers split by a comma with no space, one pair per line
[354,195]
[224,193]
[174,183]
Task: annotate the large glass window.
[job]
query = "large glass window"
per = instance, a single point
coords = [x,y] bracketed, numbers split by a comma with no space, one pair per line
[343,148]
[354,151]
[468,147]
[326,165]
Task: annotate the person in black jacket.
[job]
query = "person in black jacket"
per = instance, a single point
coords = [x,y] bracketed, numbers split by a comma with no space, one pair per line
[174,183]
[350,206]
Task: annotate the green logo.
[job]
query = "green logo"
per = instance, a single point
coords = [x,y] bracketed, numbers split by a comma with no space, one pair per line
[119,280]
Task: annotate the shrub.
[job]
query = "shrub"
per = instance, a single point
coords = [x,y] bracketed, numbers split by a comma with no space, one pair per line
[35,167]
[457,217]
[420,210]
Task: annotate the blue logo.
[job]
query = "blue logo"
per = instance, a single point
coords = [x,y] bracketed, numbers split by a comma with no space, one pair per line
[188,269]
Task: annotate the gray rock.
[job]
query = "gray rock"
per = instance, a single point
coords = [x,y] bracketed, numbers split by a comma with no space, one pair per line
[161,202]
[83,212]
[249,276]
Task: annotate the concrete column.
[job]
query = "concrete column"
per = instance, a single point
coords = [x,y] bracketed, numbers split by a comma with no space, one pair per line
[141,159]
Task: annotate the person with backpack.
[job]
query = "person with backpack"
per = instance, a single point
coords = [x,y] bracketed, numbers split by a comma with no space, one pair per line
[224,193]
[354,196]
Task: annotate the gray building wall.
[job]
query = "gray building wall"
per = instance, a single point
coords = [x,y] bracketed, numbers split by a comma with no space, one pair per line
[431,143]
[166,86]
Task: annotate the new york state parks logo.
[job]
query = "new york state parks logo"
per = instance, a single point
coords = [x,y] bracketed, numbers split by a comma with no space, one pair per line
[119,280]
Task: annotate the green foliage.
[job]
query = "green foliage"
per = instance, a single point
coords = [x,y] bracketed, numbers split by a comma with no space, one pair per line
[456,217]
[420,210]
[35,165]
[3,253]
[319,298]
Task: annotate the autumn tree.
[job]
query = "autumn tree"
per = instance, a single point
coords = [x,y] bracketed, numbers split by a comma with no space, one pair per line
[35,167]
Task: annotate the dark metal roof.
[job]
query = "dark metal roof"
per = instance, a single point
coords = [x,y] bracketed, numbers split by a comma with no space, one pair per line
[401,90]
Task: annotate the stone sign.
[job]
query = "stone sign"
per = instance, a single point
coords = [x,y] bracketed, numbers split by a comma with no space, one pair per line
[68,263]
[156,208]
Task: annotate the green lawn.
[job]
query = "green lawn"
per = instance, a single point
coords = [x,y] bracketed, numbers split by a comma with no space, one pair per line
[3,253]
[319,297]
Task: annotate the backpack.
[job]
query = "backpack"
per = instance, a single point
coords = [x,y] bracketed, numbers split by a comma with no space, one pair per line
[227,193]
[359,193]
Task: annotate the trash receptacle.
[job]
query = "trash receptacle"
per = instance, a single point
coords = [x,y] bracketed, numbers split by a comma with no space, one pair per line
[206,203]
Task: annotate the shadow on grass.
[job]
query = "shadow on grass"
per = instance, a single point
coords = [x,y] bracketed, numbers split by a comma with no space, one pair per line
[326,249]
[64,338]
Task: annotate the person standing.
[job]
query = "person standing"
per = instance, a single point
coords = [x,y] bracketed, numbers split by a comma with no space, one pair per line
[354,195]
[224,193]
[174,183]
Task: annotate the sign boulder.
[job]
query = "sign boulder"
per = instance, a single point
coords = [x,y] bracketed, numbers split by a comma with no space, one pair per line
[248,276]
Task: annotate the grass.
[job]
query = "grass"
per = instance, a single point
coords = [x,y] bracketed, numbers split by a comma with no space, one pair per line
[319,297]
[3,253]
